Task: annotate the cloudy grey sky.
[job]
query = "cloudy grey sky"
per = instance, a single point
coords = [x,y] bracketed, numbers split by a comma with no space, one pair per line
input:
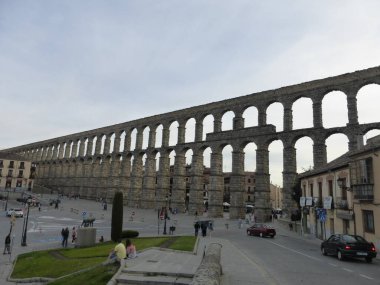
[70,66]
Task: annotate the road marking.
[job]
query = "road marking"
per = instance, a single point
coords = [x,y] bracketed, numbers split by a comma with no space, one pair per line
[348,270]
[332,264]
[267,276]
[296,251]
[365,276]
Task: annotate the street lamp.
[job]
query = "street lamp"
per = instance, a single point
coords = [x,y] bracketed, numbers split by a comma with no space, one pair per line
[25,226]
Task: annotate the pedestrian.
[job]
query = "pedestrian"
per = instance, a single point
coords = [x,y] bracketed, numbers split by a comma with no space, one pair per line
[131,249]
[73,235]
[7,248]
[101,239]
[65,235]
[204,229]
[196,228]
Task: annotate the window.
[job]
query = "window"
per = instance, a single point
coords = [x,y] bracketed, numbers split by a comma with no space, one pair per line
[11,164]
[320,190]
[249,180]
[22,166]
[311,190]
[10,173]
[361,171]
[1,163]
[368,221]
[19,183]
[20,173]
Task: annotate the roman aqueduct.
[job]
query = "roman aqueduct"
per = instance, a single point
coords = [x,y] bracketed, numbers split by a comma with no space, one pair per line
[103,161]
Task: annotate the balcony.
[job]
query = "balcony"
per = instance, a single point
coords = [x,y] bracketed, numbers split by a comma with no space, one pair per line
[341,203]
[363,192]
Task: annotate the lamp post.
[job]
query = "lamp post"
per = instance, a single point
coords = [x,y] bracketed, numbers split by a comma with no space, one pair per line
[25,226]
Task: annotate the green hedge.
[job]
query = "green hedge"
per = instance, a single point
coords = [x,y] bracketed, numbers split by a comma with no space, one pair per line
[129,234]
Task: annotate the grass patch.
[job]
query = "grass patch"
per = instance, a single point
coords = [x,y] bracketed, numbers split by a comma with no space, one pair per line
[59,262]
[96,276]
[185,243]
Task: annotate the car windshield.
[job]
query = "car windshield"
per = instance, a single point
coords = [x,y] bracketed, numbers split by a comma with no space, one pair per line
[353,239]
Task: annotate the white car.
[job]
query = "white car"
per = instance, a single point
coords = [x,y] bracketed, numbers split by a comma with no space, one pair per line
[18,213]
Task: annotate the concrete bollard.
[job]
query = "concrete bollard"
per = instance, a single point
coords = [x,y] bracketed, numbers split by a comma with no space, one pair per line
[210,269]
[86,237]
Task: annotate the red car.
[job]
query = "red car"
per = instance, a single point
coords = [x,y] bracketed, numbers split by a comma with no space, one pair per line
[261,230]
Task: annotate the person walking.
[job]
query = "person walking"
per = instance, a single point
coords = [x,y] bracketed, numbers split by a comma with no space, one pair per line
[196,228]
[65,235]
[73,235]
[7,248]
[204,229]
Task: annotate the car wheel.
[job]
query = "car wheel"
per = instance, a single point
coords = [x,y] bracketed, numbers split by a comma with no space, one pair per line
[368,259]
[261,235]
[323,251]
[340,255]
[272,236]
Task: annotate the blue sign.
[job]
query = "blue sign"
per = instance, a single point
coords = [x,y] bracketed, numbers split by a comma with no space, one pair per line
[84,213]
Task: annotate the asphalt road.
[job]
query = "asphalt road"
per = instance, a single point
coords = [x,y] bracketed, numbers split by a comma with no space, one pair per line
[286,259]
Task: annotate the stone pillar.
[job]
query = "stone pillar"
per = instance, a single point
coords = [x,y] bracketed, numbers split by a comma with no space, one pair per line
[139,138]
[55,152]
[263,209]
[125,174]
[237,186]
[116,144]
[352,107]
[217,123]
[82,147]
[127,141]
[317,112]
[51,152]
[238,121]
[67,149]
[149,183]
[107,145]
[181,132]
[74,151]
[61,150]
[179,183]
[163,180]
[165,135]
[90,145]
[198,129]
[288,116]
[215,201]
[98,145]
[196,186]
[289,177]
[262,117]
[319,153]
[134,195]
[152,137]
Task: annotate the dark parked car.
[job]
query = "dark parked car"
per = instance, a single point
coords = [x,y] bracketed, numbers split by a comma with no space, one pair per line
[262,230]
[349,246]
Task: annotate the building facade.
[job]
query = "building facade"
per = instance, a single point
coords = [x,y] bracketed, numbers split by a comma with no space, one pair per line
[344,196]
[16,173]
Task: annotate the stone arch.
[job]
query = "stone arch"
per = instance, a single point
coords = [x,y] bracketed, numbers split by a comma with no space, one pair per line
[334,146]
[304,153]
[334,109]
[251,117]
[227,120]
[173,133]
[159,131]
[302,109]
[272,111]
[208,125]
[133,137]
[190,130]
[367,109]
[145,142]
[371,133]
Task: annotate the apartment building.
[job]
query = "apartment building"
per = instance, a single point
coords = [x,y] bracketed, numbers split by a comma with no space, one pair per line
[344,196]
[16,174]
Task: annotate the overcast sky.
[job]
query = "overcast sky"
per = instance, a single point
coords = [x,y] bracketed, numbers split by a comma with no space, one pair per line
[71,66]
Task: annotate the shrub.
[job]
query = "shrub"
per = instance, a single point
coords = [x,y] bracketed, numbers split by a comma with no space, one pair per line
[129,234]
[117,216]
